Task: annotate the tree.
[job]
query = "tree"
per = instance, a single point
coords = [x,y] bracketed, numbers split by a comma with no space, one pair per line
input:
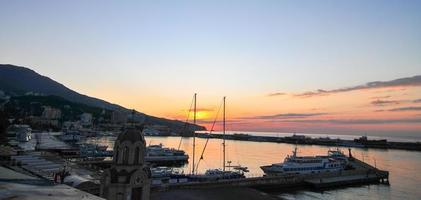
[4,123]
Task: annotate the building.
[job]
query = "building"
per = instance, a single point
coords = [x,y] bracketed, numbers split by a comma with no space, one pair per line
[20,185]
[19,132]
[119,117]
[128,177]
[43,122]
[82,183]
[86,119]
[51,113]
[68,125]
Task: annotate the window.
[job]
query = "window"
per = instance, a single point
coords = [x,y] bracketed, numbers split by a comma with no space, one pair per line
[116,156]
[136,156]
[126,155]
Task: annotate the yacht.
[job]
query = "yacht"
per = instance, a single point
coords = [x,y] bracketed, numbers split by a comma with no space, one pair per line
[335,160]
[225,172]
[216,174]
[159,150]
[162,156]
[94,151]
[166,175]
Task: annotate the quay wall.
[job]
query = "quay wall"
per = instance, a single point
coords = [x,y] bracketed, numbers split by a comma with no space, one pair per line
[363,173]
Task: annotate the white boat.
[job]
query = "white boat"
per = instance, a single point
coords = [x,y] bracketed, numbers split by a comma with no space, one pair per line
[334,161]
[159,154]
[225,172]
[216,174]
[166,175]
[159,150]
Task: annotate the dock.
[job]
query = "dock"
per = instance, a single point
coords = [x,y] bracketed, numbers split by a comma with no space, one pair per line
[362,174]
[306,140]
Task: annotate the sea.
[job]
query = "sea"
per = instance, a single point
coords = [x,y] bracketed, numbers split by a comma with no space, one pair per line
[404,166]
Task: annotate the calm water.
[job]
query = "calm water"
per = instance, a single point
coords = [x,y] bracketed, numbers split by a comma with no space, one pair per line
[404,166]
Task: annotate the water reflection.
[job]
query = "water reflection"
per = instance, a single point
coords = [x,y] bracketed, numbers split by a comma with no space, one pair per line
[405,178]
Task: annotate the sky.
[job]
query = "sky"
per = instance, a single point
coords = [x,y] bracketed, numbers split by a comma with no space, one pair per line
[333,66]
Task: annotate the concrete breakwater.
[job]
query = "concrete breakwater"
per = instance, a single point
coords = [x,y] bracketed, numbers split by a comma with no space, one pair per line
[299,139]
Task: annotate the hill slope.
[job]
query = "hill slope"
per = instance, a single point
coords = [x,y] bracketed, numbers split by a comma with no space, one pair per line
[16,80]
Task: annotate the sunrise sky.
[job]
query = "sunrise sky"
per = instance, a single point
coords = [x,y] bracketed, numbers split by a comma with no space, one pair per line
[313,66]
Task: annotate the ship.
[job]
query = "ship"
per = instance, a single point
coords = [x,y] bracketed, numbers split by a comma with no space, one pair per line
[165,175]
[160,155]
[159,150]
[335,160]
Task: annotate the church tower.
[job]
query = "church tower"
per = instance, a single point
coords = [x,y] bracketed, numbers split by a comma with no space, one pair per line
[128,178]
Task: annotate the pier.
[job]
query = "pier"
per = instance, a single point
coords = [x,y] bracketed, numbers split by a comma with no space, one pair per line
[362,174]
[301,139]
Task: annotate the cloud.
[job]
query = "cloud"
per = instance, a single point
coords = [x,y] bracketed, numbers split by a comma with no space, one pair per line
[359,121]
[276,94]
[381,97]
[287,115]
[394,102]
[402,82]
[412,108]
[385,102]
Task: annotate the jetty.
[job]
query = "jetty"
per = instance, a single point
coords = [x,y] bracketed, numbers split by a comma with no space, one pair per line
[362,173]
[361,142]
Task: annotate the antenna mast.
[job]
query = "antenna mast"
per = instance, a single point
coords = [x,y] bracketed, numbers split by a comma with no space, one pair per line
[194,133]
[223,141]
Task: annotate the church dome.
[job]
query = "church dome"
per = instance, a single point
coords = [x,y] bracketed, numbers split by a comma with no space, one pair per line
[131,134]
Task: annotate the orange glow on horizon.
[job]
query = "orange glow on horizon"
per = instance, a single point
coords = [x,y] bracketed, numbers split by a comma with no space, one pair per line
[257,111]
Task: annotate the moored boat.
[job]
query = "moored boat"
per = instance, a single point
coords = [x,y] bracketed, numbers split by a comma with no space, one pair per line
[335,160]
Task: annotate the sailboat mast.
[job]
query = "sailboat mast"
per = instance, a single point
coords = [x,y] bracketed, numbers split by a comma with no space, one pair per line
[194,133]
[223,139]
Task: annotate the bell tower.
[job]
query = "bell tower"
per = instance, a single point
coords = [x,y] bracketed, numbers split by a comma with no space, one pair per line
[128,177]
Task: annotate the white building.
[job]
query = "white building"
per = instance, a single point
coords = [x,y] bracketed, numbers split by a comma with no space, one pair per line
[20,132]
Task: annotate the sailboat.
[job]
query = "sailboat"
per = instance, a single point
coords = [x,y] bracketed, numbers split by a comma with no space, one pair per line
[226,172]
[168,175]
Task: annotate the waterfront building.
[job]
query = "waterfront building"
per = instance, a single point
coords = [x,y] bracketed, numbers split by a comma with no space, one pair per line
[128,177]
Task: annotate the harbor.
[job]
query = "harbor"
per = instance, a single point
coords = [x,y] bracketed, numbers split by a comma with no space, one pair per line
[402,180]
[91,162]
[360,173]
